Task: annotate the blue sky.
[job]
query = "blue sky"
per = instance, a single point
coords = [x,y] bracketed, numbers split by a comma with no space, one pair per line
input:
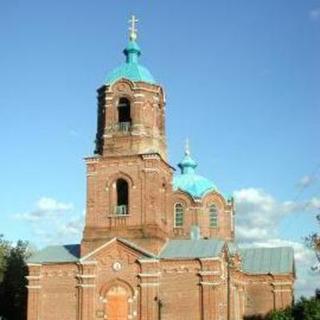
[242,82]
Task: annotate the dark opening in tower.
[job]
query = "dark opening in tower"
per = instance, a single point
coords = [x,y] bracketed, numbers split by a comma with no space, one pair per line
[124,112]
[122,197]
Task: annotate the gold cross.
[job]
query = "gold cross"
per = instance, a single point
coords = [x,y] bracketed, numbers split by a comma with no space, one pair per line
[133,29]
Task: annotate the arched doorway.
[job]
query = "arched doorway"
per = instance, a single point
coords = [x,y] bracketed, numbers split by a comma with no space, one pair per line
[117,305]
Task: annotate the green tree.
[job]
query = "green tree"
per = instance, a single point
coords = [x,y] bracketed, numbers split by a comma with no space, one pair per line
[304,309]
[4,250]
[307,309]
[313,242]
[280,315]
[13,284]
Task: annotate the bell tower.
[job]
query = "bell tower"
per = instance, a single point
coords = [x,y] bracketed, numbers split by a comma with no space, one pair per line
[129,179]
[131,108]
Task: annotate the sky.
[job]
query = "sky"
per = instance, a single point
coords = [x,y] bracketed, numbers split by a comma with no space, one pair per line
[242,83]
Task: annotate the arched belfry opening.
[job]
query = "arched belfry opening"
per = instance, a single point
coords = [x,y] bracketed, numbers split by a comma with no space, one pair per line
[122,197]
[124,111]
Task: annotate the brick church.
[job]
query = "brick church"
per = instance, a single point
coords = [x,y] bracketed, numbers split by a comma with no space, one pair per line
[158,243]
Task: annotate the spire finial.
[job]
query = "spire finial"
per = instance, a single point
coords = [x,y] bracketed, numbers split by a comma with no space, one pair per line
[133,28]
[187,148]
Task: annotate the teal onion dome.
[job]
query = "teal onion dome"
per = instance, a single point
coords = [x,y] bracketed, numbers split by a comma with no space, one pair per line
[130,69]
[190,182]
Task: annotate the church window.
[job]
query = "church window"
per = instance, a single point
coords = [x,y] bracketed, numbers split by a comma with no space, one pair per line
[124,114]
[213,216]
[122,197]
[178,215]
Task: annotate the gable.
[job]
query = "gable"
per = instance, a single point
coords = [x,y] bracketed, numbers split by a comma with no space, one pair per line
[121,247]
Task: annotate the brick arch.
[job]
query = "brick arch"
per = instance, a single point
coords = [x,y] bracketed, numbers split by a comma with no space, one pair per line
[128,96]
[214,197]
[183,196]
[128,82]
[112,191]
[116,282]
[118,298]
[118,93]
[119,175]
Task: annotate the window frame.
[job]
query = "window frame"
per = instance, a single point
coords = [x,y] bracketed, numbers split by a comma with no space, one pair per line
[175,214]
[213,215]
[126,205]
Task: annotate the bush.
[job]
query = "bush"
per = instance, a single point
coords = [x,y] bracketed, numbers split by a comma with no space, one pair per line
[280,315]
[307,309]
[304,309]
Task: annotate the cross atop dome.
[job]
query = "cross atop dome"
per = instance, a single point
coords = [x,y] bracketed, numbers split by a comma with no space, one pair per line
[133,28]
[131,69]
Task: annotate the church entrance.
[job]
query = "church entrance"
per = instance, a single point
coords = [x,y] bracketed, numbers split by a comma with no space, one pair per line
[117,303]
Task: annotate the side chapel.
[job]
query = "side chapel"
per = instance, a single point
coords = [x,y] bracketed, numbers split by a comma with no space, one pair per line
[156,244]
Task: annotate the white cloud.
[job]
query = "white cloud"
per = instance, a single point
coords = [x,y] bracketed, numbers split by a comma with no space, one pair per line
[313,203]
[49,204]
[314,14]
[73,227]
[45,208]
[258,217]
[258,214]
[52,222]
[306,181]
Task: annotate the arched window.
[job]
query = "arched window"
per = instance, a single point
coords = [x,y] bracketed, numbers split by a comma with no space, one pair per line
[122,197]
[124,112]
[213,216]
[178,215]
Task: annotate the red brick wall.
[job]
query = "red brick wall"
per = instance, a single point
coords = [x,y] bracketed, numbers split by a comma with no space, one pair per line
[180,290]
[197,213]
[149,180]
[59,292]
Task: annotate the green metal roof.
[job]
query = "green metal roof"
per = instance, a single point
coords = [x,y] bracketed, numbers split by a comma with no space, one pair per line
[267,260]
[191,249]
[190,182]
[254,260]
[56,254]
[130,69]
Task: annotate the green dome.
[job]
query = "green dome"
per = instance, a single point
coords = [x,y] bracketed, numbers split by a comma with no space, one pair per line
[130,69]
[190,182]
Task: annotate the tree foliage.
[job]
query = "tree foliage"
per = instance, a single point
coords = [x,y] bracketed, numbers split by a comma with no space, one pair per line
[313,241]
[306,309]
[13,283]
[303,309]
[4,249]
[285,314]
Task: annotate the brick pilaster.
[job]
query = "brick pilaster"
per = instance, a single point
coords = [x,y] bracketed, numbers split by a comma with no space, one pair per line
[211,280]
[34,290]
[282,294]
[86,290]
[149,289]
